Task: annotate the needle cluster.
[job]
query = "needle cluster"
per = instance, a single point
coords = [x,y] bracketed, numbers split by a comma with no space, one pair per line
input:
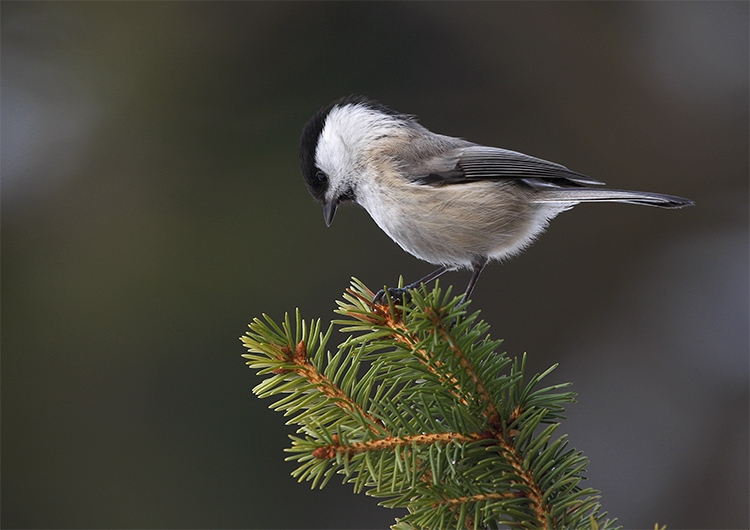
[418,407]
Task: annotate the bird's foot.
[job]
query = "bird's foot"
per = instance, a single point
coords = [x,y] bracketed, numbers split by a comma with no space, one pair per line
[397,294]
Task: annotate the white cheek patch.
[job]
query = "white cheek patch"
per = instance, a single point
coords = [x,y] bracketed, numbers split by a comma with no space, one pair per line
[347,134]
[332,153]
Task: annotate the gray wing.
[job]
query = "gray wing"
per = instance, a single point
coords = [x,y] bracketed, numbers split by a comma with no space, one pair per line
[476,162]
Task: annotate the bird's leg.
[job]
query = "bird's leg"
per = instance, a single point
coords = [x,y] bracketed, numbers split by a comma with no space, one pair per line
[477,268]
[397,293]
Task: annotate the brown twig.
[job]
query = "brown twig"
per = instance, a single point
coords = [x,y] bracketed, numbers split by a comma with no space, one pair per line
[391,442]
[306,370]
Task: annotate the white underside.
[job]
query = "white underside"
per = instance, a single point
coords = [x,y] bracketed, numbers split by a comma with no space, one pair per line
[458,225]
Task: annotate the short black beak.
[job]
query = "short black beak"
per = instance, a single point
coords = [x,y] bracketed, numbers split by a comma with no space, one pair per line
[329,210]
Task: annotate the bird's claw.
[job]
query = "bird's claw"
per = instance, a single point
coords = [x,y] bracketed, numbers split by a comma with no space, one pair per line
[397,294]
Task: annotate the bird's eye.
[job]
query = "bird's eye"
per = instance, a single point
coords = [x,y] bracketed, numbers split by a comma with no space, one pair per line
[322,177]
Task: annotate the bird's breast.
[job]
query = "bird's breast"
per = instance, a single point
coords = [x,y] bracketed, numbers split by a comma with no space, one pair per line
[454,225]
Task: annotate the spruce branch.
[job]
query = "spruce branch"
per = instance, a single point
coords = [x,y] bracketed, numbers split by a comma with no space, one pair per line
[419,408]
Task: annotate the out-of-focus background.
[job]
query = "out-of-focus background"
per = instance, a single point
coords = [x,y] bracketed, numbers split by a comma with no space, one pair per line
[152,205]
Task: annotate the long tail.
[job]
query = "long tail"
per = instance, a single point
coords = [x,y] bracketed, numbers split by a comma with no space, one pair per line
[575,195]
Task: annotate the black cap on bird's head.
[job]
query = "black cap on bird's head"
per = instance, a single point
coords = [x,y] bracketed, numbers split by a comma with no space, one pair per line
[315,179]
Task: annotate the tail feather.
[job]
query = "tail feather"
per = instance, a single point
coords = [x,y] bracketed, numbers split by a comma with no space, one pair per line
[575,195]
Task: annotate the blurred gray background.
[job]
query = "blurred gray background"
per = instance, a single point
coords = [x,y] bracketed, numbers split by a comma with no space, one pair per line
[152,205]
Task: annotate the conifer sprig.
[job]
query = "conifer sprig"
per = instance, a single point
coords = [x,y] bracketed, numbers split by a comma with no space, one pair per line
[418,407]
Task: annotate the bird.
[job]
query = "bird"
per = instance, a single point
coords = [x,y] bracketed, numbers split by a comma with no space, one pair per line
[444,200]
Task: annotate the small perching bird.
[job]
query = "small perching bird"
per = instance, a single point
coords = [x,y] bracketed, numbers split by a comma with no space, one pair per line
[445,200]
